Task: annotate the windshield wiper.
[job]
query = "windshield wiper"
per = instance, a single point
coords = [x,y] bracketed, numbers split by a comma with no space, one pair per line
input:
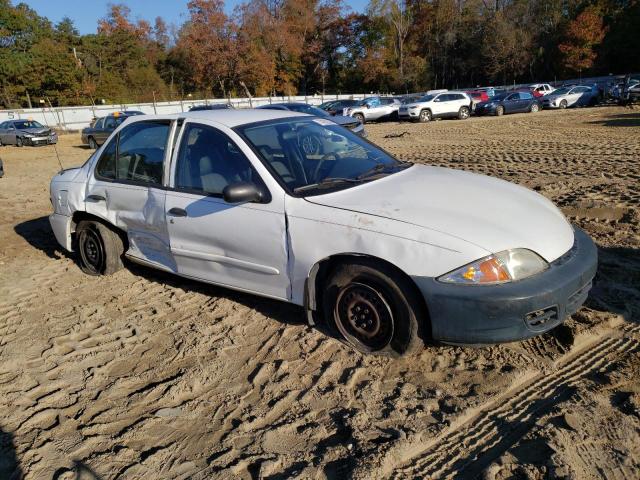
[326,183]
[382,168]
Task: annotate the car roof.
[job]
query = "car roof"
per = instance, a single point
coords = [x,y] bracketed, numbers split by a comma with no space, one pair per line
[229,118]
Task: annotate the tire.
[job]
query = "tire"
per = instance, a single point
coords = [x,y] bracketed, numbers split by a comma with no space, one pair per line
[563,104]
[19,142]
[499,110]
[425,116]
[99,247]
[359,117]
[389,309]
[534,108]
[463,113]
[92,143]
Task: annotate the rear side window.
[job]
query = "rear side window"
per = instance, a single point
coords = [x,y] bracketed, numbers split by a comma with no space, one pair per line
[141,152]
[136,154]
[110,122]
[208,161]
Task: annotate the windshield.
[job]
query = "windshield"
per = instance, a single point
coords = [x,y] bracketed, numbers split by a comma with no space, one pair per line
[308,109]
[562,91]
[499,96]
[27,124]
[312,156]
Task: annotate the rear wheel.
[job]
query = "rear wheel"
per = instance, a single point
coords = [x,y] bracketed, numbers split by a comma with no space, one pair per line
[500,110]
[100,248]
[19,142]
[425,116]
[373,308]
[92,143]
[463,114]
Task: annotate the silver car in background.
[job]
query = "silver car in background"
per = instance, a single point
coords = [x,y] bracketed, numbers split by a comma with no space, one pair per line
[574,96]
[26,132]
[374,108]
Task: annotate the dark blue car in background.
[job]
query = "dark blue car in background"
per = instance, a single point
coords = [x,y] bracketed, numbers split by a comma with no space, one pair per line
[508,102]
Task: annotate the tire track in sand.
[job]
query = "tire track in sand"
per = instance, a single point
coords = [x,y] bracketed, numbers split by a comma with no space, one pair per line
[472,446]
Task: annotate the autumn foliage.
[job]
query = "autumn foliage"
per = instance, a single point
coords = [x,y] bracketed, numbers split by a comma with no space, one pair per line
[288,47]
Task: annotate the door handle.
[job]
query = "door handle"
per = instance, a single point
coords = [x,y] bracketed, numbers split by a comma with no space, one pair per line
[178,212]
[97,198]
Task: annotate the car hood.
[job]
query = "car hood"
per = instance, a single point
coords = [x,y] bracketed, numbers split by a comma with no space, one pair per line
[490,213]
[344,121]
[36,131]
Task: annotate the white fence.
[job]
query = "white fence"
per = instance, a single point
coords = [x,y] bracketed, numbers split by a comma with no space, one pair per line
[76,118]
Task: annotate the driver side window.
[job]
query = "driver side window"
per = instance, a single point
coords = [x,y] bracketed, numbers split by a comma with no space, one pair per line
[208,161]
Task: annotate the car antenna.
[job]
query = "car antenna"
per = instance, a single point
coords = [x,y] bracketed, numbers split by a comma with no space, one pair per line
[59,161]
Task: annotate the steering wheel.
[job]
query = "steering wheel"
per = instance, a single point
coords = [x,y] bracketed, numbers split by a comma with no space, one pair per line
[328,156]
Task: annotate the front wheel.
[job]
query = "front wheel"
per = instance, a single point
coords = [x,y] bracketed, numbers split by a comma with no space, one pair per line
[425,116]
[359,117]
[373,308]
[463,114]
[534,108]
[100,248]
[563,104]
[500,110]
[92,143]
[19,142]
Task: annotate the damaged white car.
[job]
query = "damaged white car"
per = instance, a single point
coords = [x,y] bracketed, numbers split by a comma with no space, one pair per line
[384,252]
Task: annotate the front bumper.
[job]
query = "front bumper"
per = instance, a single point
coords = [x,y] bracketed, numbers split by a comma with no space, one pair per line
[550,103]
[514,311]
[411,114]
[484,110]
[43,140]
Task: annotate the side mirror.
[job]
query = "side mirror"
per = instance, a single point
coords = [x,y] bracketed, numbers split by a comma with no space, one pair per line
[242,192]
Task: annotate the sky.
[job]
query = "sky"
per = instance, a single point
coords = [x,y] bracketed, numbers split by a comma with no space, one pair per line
[86,13]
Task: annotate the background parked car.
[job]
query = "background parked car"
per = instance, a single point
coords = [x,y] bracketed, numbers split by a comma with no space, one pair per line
[508,102]
[442,105]
[338,107]
[26,132]
[347,122]
[374,108]
[477,96]
[630,90]
[215,106]
[96,134]
[541,89]
[578,96]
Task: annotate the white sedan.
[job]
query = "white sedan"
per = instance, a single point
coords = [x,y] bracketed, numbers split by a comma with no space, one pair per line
[383,252]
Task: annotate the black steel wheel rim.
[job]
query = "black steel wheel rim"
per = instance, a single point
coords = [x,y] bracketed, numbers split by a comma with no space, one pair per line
[92,251]
[364,317]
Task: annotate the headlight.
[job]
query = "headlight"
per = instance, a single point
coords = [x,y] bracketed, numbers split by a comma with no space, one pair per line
[502,267]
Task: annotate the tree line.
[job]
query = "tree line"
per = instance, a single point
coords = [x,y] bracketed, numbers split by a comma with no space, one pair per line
[289,47]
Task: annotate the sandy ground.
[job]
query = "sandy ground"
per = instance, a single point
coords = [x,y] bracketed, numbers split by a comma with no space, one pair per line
[143,375]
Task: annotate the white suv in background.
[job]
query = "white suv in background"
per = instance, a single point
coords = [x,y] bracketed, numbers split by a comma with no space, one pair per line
[441,105]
